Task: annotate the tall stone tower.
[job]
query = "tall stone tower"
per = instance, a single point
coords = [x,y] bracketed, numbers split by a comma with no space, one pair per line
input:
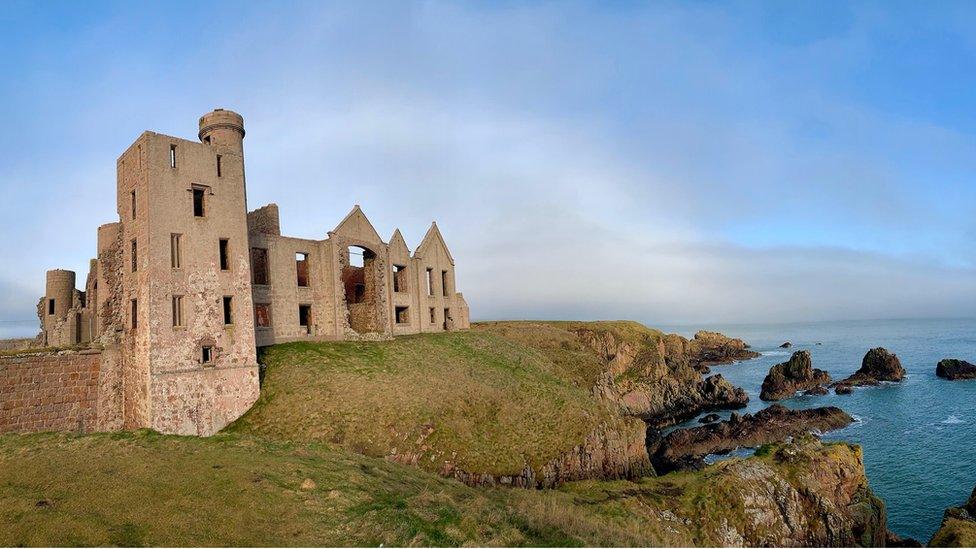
[188,347]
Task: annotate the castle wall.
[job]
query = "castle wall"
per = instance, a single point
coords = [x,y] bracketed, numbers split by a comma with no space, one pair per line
[67,392]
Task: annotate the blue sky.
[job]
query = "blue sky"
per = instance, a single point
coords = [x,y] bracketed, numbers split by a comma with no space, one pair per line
[668,162]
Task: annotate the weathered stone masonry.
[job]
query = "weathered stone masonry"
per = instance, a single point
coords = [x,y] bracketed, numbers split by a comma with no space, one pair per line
[187,284]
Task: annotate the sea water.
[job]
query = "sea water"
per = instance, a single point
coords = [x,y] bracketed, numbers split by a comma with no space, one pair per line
[919,436]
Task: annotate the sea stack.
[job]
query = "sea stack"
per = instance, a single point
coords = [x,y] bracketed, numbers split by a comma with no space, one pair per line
[796,374]
[953,369]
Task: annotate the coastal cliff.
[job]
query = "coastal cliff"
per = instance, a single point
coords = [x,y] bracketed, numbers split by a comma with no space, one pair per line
[958,528]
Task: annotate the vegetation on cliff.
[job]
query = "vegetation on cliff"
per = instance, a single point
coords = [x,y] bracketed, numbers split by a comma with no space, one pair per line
[143,488]
[523,403]
[958,527]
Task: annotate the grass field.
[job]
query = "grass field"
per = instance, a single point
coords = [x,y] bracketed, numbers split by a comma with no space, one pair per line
[489,400]
[143,488]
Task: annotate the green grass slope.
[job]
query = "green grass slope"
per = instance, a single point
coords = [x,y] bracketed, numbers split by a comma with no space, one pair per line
[490,400]
[143,488]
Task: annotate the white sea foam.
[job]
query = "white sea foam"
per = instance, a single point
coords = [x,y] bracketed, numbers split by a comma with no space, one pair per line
[952,420]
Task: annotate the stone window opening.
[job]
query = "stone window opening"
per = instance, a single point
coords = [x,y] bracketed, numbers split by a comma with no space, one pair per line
[224,256]
[199,201]
[177,311]
[402,315]
[207,354]
[301,268]
[305,318]
[399,278]
[132,195]
[444,283]
[357,258]
[433,315]
[228,310]
[262,315]
[219,174]
[259,266]
[175,255]
[135,256]
[172,156]
[430,281]
[447,318]
[50,306]
[134,312]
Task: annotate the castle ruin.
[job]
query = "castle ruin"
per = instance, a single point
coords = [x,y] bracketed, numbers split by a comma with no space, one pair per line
[188,283]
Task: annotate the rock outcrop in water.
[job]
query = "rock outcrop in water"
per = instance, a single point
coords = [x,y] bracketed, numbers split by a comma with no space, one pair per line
[797,374]
[878,365]
[953,369]
[687,448]
[958,527]
[712,348]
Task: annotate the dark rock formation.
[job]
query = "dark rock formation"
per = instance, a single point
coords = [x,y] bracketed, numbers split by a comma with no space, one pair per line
[843,389]
[796,374]
[712,348]
[958,527]
[953,369]
[710,418]
[878,365]
[786,345]
[686,448]
[819,390]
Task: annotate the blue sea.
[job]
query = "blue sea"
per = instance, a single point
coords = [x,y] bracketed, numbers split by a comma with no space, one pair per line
[919,436]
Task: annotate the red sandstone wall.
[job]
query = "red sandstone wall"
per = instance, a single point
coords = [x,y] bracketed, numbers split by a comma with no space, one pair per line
[49,392]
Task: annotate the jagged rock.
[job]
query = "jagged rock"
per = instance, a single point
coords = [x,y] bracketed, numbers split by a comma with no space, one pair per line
[796,374]
[878,365]
[712,348]
[786,345]
[958,528]
[819,390]
[843,389]
[710,418]
[683,447]
[953,369]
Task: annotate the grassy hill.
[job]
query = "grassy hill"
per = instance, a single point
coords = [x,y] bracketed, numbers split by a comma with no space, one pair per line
[143,488]
[492,400]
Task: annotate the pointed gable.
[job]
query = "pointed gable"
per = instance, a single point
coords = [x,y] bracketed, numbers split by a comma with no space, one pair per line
[431,240]
[398,244]
[356,226]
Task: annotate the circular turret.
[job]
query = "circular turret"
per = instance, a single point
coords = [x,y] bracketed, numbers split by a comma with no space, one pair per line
[61,288]
[222,127]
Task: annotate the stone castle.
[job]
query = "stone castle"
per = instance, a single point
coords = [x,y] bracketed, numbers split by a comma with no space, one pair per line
[188,283]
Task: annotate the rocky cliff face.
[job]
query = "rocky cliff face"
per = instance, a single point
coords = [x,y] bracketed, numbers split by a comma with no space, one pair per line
[686,448]
[656,377]
[796,374]
[958,527]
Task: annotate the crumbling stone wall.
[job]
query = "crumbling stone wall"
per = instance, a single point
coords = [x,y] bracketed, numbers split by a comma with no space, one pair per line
[71,391]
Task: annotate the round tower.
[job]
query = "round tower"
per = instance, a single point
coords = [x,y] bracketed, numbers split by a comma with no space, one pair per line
[222,128]
[61,289]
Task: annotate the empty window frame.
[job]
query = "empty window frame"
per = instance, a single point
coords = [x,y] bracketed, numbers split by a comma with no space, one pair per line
[224,255]
[132,196]
[177,310]
[430,281]
[433,315]
[50,306]
[206,354]
[134,314]
[172,156]
[305,318]
[219,168]
[402,315]
[259,266]
[175,254]
[447,317]
[444,285]
[301,268]
[262,315]
[228,310]
[399,278]
[199,201]
[135,256]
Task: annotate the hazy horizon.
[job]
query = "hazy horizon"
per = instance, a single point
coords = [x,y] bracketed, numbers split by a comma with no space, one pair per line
[675,164]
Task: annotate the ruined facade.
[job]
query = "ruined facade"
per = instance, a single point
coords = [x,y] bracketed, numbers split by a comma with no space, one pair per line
[188,283]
